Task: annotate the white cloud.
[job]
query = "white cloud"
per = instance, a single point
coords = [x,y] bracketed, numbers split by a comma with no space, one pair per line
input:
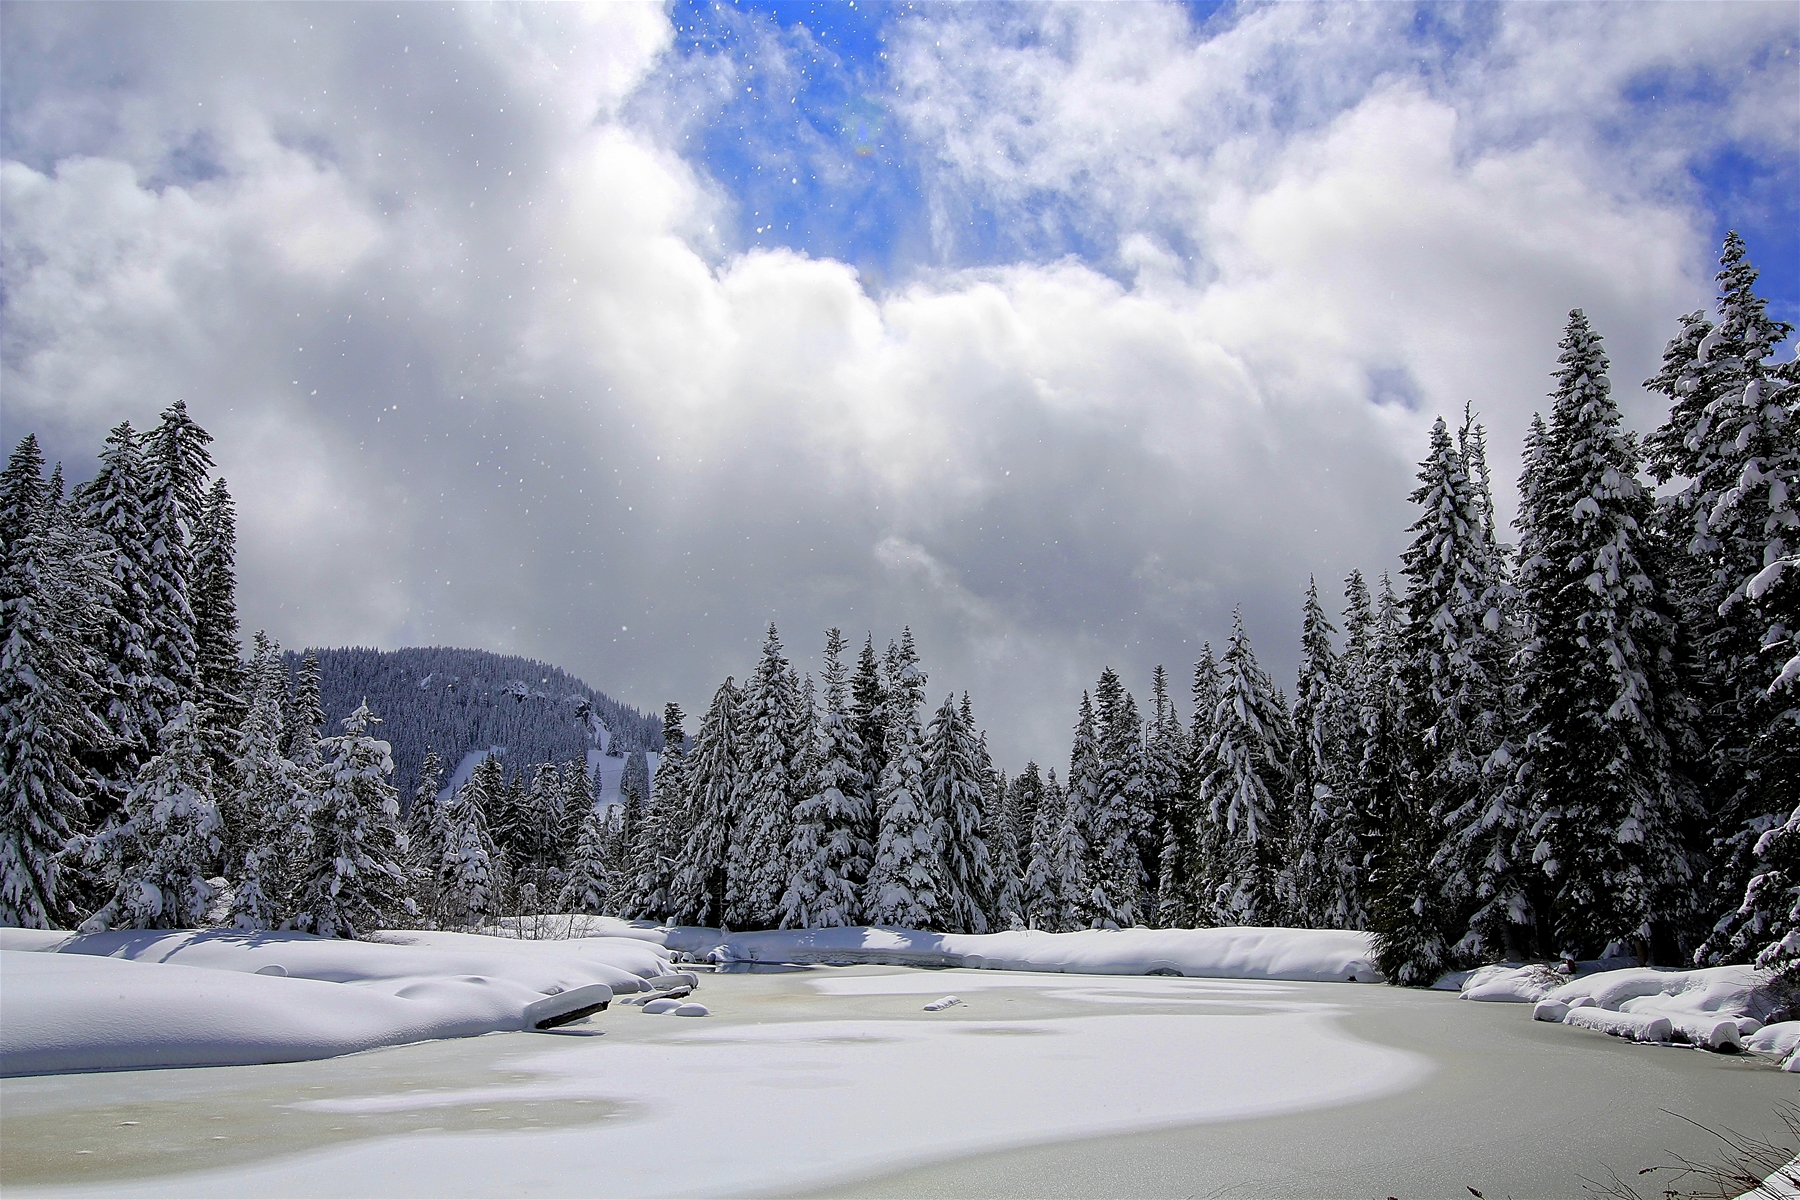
[482,371]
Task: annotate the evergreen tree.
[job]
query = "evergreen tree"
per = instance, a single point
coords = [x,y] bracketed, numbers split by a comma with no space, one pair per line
[952,786]
[764,794]
[1074,853]
[113,507]
[1245,789]
[652,869]
[262,809]
[830,856]
[1732,435]
[54,594]
[177,465]
[353,882]
[1123,810]
[219,673]
[868,693]
[1602,709]
[1043,900]
[698,894]
[428,837]
[902,887]
[305,722]
[1194,840]
[1458,601]
[155,858]
[468,872]
[1317,897]
[588,887]
[1166,750]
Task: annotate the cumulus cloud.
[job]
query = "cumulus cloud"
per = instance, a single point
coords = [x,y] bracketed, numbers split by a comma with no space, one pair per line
[489,365]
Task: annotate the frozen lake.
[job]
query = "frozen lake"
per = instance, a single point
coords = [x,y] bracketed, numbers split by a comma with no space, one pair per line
[838,1081]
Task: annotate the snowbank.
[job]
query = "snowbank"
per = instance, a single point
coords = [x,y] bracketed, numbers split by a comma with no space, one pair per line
[184,998]
[1308,955]
[1715,1007]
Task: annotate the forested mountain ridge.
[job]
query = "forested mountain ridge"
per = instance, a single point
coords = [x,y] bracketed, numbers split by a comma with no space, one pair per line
[455,702]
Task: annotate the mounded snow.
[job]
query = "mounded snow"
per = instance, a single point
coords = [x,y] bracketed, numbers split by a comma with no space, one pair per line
[145,998]
[1714,1007]
[1302,955]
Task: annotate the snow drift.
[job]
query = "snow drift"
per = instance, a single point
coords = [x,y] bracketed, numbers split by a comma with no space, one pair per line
[1714,1007]
[1304,955]
[188,998]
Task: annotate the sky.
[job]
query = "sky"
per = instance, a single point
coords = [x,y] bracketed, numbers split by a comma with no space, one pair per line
[609,335]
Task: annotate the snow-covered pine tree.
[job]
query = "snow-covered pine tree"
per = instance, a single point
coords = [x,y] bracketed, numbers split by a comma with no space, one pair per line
[1043,902]
[469,871]
[1167,753]
[1194,840]
[1074,853]
[952,785]
[1122,812]
[1024,793]
[1470,750]
[697,896]
[428,837]
[1731,434]
[902,888]
[1007,910]
[177,465]
[830,857]
[261,806]
[156,858]
[765,793]
[1601,706]
[588,886]
[212,594]
[112,504]
[1316,883]
[54,592]
[353,883]
[1246,789]
[868,693]
[305,721]
[652,868]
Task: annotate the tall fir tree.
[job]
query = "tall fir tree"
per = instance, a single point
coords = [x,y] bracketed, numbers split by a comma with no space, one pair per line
[1602,709]
[1074,853]
[902,887]
[1246,788]
[113,506]
[1042,895]
[54,593]
[262,808]
[698,895]
[952,784]
[177,465]
[588,886]
[469,870]
[1732,435]
[1317,894]
[868,695]
[829,853]
[218,669]
[765,793]
[653,868]
[353,882]
[157,857]
[1166,749]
